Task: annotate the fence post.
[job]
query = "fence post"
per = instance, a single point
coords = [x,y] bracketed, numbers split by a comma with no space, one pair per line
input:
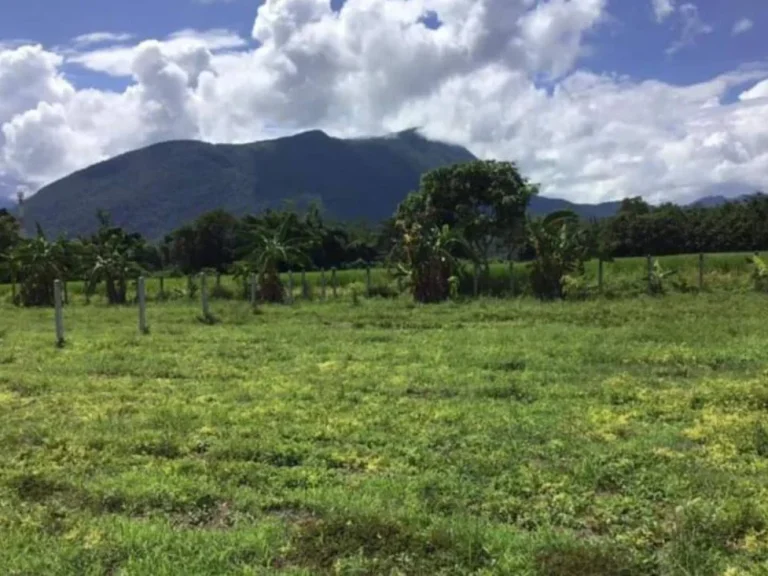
[59,316]
[304,290]
[218,279]
[204,294]
[142,306]
[290,286]
[333,281]
[253,289]
[701,271]
[322,283]
[367,280]
[512,277]
[600,274]
[476,281]
[650,274]
[162,286]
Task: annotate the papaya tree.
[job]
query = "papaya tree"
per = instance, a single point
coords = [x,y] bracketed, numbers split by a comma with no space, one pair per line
[37,263]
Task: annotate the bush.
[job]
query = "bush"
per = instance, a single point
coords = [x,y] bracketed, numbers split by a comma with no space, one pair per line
[221,292]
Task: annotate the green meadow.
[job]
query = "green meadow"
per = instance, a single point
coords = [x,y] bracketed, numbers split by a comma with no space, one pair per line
[622,436]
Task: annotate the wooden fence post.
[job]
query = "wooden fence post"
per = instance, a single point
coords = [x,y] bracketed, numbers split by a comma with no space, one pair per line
[142,306]
[333,281]
[600,274]
[290,286]
[650,274]
[59,316]
[701,271]
[204,295]
[322,283]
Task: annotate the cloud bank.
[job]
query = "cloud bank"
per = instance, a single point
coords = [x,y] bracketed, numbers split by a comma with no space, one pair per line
[501,77]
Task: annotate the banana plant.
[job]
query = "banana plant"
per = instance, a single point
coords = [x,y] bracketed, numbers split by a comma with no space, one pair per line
[424,258]
[759,272]
[561,247]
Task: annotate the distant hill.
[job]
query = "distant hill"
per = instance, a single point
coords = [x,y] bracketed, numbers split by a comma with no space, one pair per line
[157,189]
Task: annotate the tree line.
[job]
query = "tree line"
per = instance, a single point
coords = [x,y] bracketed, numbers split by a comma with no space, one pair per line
[465,213]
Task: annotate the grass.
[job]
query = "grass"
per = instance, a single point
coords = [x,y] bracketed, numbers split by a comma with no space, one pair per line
[607,437]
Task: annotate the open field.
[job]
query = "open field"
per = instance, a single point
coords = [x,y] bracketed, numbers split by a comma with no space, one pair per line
[495,437]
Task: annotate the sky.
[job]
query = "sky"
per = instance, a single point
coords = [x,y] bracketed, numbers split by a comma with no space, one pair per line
[595,100]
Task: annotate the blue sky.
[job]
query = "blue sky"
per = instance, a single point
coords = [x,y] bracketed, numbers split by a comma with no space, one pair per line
[595,99]
[631,42]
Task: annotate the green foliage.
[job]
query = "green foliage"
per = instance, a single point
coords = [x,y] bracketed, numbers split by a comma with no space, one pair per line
[561,247]
[424,259]
[657,276]
[37,264]
[112,259]
[484,200]
[759,273]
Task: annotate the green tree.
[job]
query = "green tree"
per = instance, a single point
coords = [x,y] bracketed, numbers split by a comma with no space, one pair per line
[485,200]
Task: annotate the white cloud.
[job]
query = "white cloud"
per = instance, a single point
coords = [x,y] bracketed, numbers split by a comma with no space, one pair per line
[92,38]
[116,60]
[662,9]
[759,90]
[693,26]
[743,25]
[373,68]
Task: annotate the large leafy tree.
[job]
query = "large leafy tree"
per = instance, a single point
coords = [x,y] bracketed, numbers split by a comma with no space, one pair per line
[485,201]
[38,263]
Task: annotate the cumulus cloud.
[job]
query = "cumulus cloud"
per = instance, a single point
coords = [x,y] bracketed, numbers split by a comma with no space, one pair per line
[374,67]
[743,25]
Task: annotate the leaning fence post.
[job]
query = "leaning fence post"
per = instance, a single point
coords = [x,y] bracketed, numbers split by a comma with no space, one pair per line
[701,271]
[333,281]
[650,274]
[322,283]
[142,306]
[367,280]
[59,316]
[600,274]
[290,286]
[204,294]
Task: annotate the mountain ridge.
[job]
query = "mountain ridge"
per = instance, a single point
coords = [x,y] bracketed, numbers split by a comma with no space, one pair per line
[158,188]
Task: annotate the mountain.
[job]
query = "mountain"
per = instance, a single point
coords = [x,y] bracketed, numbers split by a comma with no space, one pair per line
[543,205]
[159,188]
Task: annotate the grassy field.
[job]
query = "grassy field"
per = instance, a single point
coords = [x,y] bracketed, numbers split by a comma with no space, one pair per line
[625,437]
